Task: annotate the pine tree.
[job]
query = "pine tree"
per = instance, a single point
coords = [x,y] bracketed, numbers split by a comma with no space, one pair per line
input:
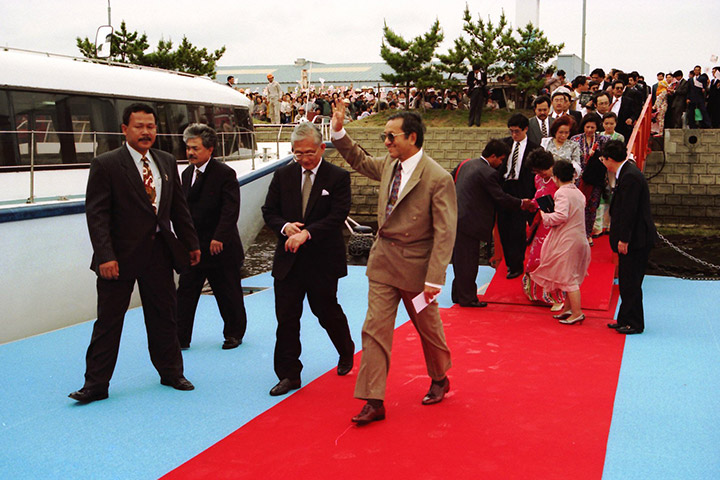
[411,60]
[530,53]
[489,45]
[454,62]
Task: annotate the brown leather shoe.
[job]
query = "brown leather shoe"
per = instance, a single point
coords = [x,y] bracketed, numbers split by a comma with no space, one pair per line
[369,414]
[284,386]
[178,383]
[437,392]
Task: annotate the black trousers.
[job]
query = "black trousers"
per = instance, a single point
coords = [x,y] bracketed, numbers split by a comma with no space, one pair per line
[477,102]
[631,272]
[321,291]
[225,281]
[465,267]
[157,292]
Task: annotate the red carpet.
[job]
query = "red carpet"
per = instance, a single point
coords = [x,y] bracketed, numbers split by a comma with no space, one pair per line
[596,290]
[529,398]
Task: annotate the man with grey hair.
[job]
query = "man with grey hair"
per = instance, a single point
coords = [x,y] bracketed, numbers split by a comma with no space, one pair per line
[274,93]
[213,195]
[306,206]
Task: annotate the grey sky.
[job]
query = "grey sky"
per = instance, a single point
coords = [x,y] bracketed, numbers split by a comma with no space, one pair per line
[644,35]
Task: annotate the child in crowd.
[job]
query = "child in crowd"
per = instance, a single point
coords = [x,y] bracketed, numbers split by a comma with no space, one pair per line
[609,124]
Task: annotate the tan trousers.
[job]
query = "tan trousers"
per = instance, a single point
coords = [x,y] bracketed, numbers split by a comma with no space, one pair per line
[273,111]
[377,336]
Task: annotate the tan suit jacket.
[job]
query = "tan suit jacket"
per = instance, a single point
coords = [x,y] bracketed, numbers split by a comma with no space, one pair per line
[414,245]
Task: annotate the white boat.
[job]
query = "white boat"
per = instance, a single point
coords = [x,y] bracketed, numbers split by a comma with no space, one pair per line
[56,114]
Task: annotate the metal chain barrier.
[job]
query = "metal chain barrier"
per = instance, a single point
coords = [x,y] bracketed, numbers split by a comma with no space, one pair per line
[694,259]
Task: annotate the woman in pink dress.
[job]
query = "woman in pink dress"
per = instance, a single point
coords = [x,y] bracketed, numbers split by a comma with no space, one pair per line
[565,253]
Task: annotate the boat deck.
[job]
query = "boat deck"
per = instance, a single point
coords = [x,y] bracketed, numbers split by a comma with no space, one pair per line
[664,416]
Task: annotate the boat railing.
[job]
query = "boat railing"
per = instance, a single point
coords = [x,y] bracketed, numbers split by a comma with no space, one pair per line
[47,149]
[639,144]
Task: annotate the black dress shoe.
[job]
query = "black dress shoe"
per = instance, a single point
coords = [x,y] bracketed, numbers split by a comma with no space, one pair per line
[184,346]
[476,304]
[284,386]
[628,330]
[614,326]
[231,342]
[511,274]
[369,414]
[87,395]
[179,383]
[437,392]
[345,365]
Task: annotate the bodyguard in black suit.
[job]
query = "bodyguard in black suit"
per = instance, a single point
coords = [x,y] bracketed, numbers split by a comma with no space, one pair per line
[306,207]
[476,82]
[133,195]
[213,195]
[632,234]
[479,195]
[517,179]
[628,111]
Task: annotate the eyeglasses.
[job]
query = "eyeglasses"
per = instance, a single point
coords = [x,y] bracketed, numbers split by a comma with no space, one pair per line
[299,155]
[391,136]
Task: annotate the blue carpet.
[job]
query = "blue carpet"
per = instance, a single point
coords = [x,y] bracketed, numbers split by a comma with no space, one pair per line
[666,420]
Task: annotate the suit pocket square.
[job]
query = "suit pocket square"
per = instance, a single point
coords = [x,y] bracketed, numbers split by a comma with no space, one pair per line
[324,192]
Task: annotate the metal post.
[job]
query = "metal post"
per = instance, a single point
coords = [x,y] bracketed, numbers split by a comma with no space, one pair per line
[277,146]
[94,144]
[32,168]
[582,67]
[222,139]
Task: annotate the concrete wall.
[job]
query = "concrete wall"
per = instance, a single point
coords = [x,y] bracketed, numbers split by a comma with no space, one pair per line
[685,178]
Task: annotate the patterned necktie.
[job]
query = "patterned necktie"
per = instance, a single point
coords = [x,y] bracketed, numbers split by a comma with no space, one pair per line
[149,182]
[543,128]
[516,153]
[307,186]
[394,190]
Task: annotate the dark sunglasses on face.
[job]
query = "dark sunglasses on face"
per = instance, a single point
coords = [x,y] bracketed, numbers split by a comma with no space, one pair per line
[391,136]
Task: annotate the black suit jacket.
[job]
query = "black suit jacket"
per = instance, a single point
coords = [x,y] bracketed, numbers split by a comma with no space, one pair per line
[534,133]
[631,221]
[479,194]
[214,202]
[121,219]
[327,208]
[525,187]
[629,109]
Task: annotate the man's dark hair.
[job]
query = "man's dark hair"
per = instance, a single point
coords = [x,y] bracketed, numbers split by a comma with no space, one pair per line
[563,170]
[579,80]
[634,75]
[564,121]
[678,74]
[601,94]
[475,67]
[591,117]
[615,150]
[598,71]
[540,159]
[230,77]
[412,123]
[541,99]
[137,107]
[496,147]
[205,133]
[518,120]
[561,73]
[660,73]
[618,81]
[623,77]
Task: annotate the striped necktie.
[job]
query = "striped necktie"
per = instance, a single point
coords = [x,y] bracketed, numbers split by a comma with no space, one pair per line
[394,190]
[516,153]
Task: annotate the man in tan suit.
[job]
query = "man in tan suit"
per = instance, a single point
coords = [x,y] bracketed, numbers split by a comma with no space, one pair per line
[417,218]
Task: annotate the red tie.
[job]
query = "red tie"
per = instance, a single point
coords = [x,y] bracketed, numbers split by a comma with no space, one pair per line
[149,182]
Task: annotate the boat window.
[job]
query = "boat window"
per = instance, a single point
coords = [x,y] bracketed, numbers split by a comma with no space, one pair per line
[173,118]
[8,146]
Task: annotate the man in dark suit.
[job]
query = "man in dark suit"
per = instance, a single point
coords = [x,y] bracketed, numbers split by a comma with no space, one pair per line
[306,207]
[632,234]
[713,104]
[678,101]
[213,195]
[133,195]
[518,180]
[625,107]
[539,125]
[479,196]
[476,82]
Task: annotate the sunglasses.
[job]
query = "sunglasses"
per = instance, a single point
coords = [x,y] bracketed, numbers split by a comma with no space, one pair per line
[391,136]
